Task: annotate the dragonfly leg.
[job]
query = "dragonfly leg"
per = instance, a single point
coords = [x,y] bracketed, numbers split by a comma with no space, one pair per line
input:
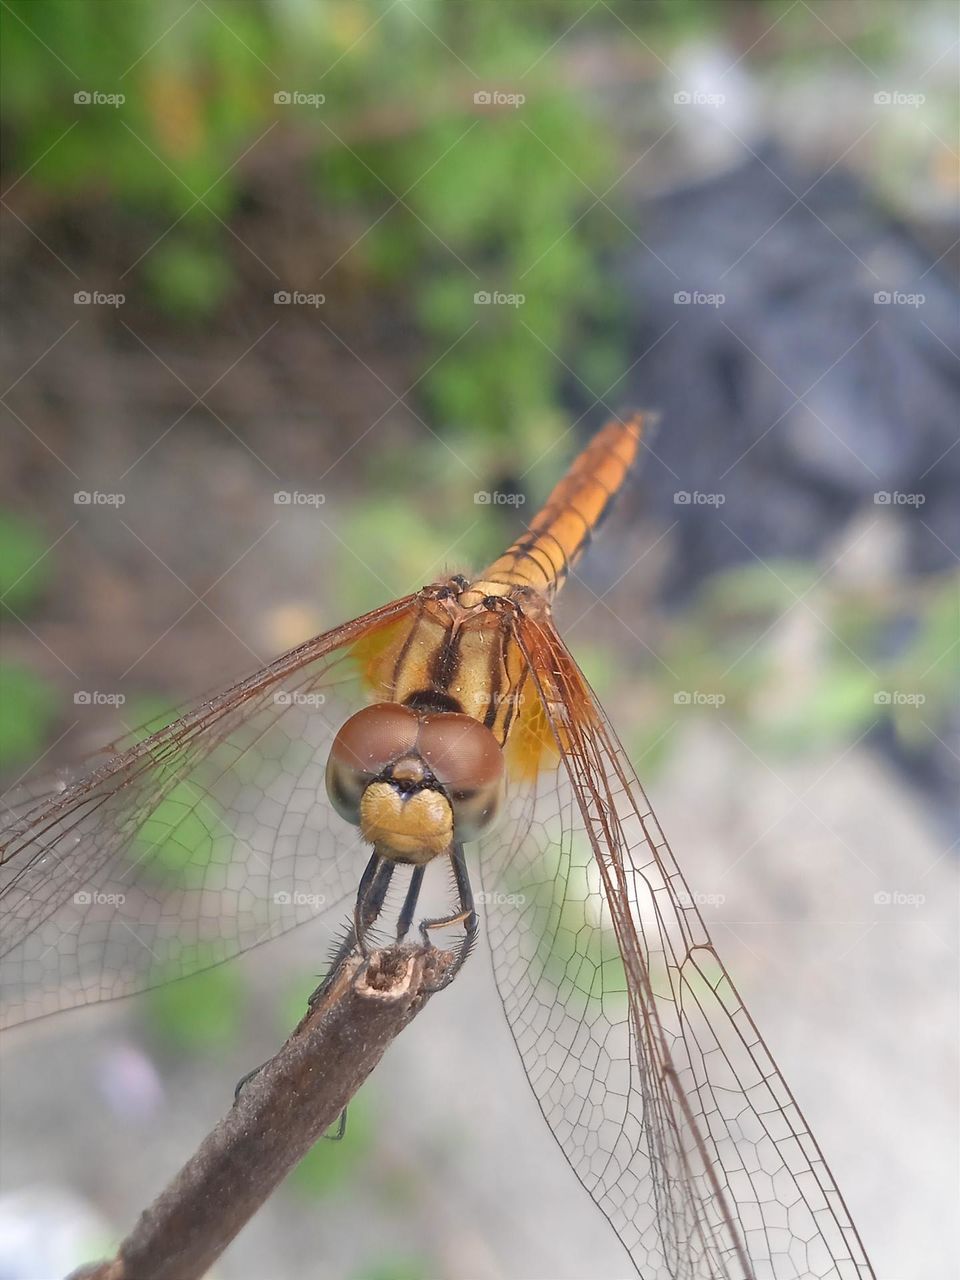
[341,1129]
[466,915]
[374,884]
[246,1080]
[405,919]
[371,897]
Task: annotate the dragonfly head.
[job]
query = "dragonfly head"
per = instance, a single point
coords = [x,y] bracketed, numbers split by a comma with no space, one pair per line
[414,781]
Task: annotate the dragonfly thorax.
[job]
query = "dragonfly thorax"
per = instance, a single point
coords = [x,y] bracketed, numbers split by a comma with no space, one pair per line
[415,782]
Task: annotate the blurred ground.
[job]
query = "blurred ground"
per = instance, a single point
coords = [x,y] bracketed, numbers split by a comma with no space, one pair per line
[751,159]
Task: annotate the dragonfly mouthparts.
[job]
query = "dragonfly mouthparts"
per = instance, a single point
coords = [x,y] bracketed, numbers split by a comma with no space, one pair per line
[409,774]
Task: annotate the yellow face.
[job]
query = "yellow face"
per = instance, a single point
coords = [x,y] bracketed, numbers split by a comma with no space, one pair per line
[415,828]
[415,782]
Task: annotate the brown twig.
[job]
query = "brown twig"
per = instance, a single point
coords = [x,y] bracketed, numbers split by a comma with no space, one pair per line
[280,1114]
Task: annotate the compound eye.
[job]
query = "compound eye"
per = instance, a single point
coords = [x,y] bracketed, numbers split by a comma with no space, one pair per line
[366,743]
[465,758]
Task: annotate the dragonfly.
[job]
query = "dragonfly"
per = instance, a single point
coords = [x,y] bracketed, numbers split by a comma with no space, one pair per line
[453,722]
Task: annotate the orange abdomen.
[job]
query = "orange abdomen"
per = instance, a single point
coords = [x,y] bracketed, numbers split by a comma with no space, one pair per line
[561,532]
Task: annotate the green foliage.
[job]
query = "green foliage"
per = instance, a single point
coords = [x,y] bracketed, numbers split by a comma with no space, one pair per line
[396,1269]
[149,714]
[599,665]
[28,704]
[189,278]
[435,525]
[797,661]
[176,841]
[927,666]
[199,1014]
[439,198]
[577,949]
[24,569]
[28,707]
[388,550]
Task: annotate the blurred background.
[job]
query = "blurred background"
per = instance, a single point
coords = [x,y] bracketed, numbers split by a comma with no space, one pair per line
[291,290]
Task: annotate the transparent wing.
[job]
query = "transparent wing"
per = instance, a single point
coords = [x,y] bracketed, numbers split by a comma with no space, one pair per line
[649,1070]
[184,849]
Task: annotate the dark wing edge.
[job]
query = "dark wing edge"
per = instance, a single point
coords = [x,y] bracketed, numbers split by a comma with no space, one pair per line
[694,1045]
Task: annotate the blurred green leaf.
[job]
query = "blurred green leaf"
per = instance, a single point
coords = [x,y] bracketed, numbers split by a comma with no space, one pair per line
[651,746]
[24,566]
[837,706]
[601,666]
[443,198]
[188,279]
[389,548]
[178,840]
[201,1013]
[28,707]
[149,714]
[396,1269]
[756,590]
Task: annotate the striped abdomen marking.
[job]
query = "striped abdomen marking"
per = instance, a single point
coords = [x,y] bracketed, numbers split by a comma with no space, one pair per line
[561,532]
